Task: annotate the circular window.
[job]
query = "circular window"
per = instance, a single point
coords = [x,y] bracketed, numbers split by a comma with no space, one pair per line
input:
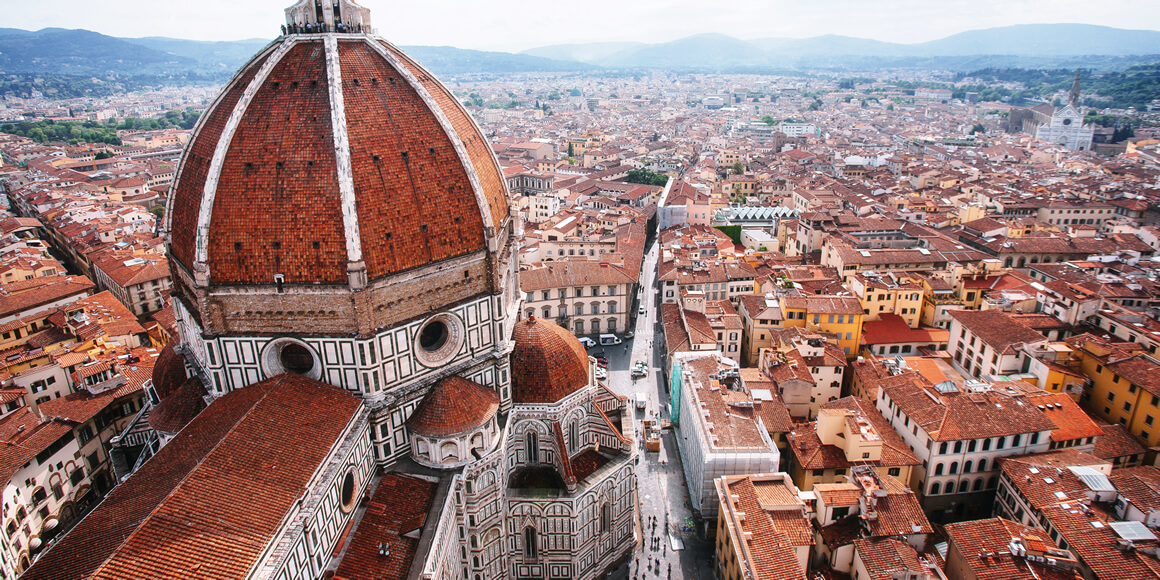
[438,340]
[433,336]
[1067,121]
[288,355]
[348,492]
[296,358]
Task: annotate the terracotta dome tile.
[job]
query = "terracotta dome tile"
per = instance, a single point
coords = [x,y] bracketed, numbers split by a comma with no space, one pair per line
[548,362]
[454,405]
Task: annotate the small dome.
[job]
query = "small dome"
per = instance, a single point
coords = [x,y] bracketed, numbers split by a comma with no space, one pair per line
[168,372]
[179,408]
[454,405]
[548,362]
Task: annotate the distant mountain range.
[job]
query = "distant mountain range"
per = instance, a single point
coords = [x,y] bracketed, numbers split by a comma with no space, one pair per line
[83,52]
[708,51]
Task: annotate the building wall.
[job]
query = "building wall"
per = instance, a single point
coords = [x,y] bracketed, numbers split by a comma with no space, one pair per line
[988,450]
[609,307]
[1116,400]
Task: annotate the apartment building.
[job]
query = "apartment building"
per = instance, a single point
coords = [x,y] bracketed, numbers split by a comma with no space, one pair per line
[990,342]
[958,432]
[584,296]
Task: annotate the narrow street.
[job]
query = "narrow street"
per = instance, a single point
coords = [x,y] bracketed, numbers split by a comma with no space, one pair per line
[663,494]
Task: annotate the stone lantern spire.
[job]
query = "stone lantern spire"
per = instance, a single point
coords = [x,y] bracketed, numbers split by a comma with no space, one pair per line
[327,16]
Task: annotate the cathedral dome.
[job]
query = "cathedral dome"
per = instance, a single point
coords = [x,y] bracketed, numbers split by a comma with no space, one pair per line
[548,362]
[455,405]
[331,159]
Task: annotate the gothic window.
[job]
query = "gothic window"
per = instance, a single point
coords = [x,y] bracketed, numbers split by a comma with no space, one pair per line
[532,447]
[574,435]
[530,548]
[605,518]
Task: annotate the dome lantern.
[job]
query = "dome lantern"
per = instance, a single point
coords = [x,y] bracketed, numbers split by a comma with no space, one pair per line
[318,16]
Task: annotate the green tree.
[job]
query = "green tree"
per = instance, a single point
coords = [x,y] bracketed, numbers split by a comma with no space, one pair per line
[738,168]
[978,128]
[103,154]
[571,150]
[769,120]
[646,177]
[890,107]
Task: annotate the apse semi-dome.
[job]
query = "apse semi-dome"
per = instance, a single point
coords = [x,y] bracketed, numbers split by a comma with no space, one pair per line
[331,160]
[548,362]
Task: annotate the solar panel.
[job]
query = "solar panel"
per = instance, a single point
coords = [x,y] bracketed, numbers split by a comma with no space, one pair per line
[1092,478]
[1132,530]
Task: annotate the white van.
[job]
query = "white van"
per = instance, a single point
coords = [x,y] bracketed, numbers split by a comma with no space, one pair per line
[607,339]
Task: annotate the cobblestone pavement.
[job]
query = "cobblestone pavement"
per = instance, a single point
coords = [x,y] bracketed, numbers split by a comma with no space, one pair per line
[661,484]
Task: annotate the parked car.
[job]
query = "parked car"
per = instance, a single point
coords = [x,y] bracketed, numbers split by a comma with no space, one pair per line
[601,374]
[629,334]
[641,311]
[587,342]
[607,339]
[639,369]
[601,362]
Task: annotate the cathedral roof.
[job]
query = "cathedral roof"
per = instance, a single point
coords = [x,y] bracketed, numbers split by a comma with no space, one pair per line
[331,158]
[168,372]
[453,406]
[548,362]
[208,504]
[177,409]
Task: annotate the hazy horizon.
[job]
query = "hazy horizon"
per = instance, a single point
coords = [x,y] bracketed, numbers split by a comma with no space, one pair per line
[506,25]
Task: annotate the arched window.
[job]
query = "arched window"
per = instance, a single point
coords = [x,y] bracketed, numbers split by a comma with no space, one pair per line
[574,435]
[950,487]
[547,312]
[942,448]
[934,488]
[967,467]
[530,550]
[954,467]
[450,452]
[532,447]
[978,484]
[938,469]
[605,518]
[530,313]
[991,483]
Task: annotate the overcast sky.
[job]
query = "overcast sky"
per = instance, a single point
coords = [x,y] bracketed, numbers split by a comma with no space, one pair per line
[517,25]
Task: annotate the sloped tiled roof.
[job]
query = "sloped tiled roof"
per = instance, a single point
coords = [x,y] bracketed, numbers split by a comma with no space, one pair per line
[208,504]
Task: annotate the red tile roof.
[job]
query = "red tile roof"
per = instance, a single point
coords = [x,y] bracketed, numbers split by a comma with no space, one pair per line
[399,508]
[454,405]
[208,504]
[548,363]
[415,198]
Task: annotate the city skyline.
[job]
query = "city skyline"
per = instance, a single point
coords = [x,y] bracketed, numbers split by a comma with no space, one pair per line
[503,26]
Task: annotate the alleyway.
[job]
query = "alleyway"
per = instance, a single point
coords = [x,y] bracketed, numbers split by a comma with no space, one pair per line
[663,493]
